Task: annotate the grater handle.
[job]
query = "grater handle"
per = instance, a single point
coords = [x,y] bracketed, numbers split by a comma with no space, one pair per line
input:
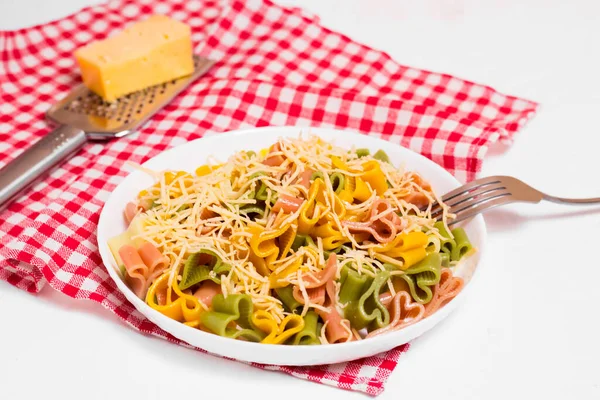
[38,159]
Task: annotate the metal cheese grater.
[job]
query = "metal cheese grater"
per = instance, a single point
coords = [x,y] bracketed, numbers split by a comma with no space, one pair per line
[84,116]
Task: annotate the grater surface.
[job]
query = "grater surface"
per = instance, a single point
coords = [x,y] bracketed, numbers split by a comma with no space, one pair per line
[100,119]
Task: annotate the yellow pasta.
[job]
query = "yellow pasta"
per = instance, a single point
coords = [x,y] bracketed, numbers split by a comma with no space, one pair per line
[374,177]
[332,237]
[311,212]
[277,333]
[361,191]
[286,239]
[185,309]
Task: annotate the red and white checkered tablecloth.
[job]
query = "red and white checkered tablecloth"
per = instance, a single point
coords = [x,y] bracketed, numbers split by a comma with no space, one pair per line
[276,66]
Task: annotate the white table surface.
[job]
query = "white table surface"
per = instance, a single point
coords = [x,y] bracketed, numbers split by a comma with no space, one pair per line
[530,327]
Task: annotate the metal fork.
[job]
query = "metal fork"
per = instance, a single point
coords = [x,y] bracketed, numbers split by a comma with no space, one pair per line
[486,193]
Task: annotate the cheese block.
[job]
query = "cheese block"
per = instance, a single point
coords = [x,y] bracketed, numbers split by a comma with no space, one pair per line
[153,51]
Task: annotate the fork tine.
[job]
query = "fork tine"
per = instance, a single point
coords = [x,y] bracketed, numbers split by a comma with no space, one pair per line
[481,193]
[478,207]
[470,186]
[464,189]
[479,201]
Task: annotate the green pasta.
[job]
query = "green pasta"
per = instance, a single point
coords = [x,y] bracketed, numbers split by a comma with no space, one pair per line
[256,174]
[221,267]
[327,253]
[261,192]
[351,284]
[422,276]
[309,335]
[362,152]
[316,175]
[251,154]
[183,207]
[194,273]
[310,242]
[338,181]
[381,156]
[447,243]
[252,193]
[389,267]
[253,209]
[236,308]
[457,246]
[445,259]
[363,308]
[463,244]
[286,296]
[299,241]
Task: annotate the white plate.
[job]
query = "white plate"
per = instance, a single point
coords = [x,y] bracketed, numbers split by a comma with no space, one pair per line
[192,154]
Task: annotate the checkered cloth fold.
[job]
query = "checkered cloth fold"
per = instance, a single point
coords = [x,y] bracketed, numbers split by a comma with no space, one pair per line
[276,66]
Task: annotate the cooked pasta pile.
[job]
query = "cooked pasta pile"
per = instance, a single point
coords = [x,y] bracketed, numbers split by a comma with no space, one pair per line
[302,243]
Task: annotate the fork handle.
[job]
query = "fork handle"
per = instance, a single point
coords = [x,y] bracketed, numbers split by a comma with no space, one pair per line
[562,200]
[38,159]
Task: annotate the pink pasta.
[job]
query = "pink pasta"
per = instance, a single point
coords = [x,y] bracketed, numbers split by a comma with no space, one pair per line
[274,160]
[143,266]
[337,328]
[448,287]
[304,178]
[403,312]
[131,210]
[154,260]
[136,270]
[317,280]
[206,292]
[204,215]
[323,276]
[315,295]
[287,203]
[383,223]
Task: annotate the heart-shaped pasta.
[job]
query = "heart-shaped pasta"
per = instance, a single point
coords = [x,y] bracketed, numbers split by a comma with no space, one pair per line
[404,312]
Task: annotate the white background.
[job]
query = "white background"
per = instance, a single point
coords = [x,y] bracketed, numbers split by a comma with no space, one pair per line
[531,325]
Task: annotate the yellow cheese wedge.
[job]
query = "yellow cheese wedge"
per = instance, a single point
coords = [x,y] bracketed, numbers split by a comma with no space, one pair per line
[147,53]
